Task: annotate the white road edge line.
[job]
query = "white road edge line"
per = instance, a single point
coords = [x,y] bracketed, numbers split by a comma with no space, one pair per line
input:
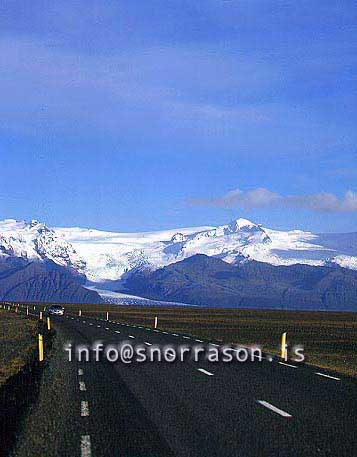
[86,450]
[328,376]
[287,364]
[274,408]
[84,409]
[202,370]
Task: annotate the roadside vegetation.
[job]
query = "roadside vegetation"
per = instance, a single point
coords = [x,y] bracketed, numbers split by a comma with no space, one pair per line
[20,371]
[329,339]
[17,343]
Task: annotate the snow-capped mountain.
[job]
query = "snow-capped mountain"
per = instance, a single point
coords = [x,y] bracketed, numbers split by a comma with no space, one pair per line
[109,256]
[35,241]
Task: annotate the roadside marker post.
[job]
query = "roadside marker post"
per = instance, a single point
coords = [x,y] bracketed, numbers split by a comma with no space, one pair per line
[48,324]
[155,326]
[27,311]
[40,348]
[107,316]
[41,317]
[80,313]
[283,347]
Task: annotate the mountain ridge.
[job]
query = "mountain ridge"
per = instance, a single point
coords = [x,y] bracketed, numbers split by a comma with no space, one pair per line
[25,281]
[206,281]
[104,257]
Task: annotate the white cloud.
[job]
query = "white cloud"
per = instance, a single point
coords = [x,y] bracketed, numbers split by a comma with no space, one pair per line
[263,198]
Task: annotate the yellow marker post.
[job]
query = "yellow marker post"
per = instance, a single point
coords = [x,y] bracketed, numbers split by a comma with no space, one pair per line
[40,348]
[41,317]
[48,324]
[155,326]
[283,346]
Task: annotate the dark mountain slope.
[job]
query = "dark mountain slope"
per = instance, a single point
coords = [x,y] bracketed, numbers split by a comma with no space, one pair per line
[209,281]
[42,282]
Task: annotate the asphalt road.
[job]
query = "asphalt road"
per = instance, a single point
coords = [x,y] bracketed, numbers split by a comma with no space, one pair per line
[185,409]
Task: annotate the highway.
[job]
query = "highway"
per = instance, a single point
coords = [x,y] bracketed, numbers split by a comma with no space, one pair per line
[189,409]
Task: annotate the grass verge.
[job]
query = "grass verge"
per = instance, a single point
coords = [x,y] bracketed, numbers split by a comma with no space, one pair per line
[329,339]
[17,343]
[20,372]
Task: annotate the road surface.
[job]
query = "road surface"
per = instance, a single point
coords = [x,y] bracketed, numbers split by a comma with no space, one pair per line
[184,409]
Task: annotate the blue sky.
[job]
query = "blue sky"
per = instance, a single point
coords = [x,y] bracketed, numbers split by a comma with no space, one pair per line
[132,115]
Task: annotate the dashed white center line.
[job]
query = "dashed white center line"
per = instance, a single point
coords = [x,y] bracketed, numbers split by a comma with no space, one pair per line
[186,337]
[80,372]
[98,326]
[84,409]
[131,336]
[174,334]
[147,344]
[86,450]
[214,344]
[328,376]
[202,370]
[165,333]
[82,386]
[116,331]
[106,328]
[199,341]
[274,408]
[90,324]
[287,364]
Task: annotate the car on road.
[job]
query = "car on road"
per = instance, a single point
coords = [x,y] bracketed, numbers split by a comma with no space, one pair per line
[56,310]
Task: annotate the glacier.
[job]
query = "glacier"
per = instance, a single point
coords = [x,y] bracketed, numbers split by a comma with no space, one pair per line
[105,258]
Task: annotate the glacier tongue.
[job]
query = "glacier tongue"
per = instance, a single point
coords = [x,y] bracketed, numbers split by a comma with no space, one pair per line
[109,256]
